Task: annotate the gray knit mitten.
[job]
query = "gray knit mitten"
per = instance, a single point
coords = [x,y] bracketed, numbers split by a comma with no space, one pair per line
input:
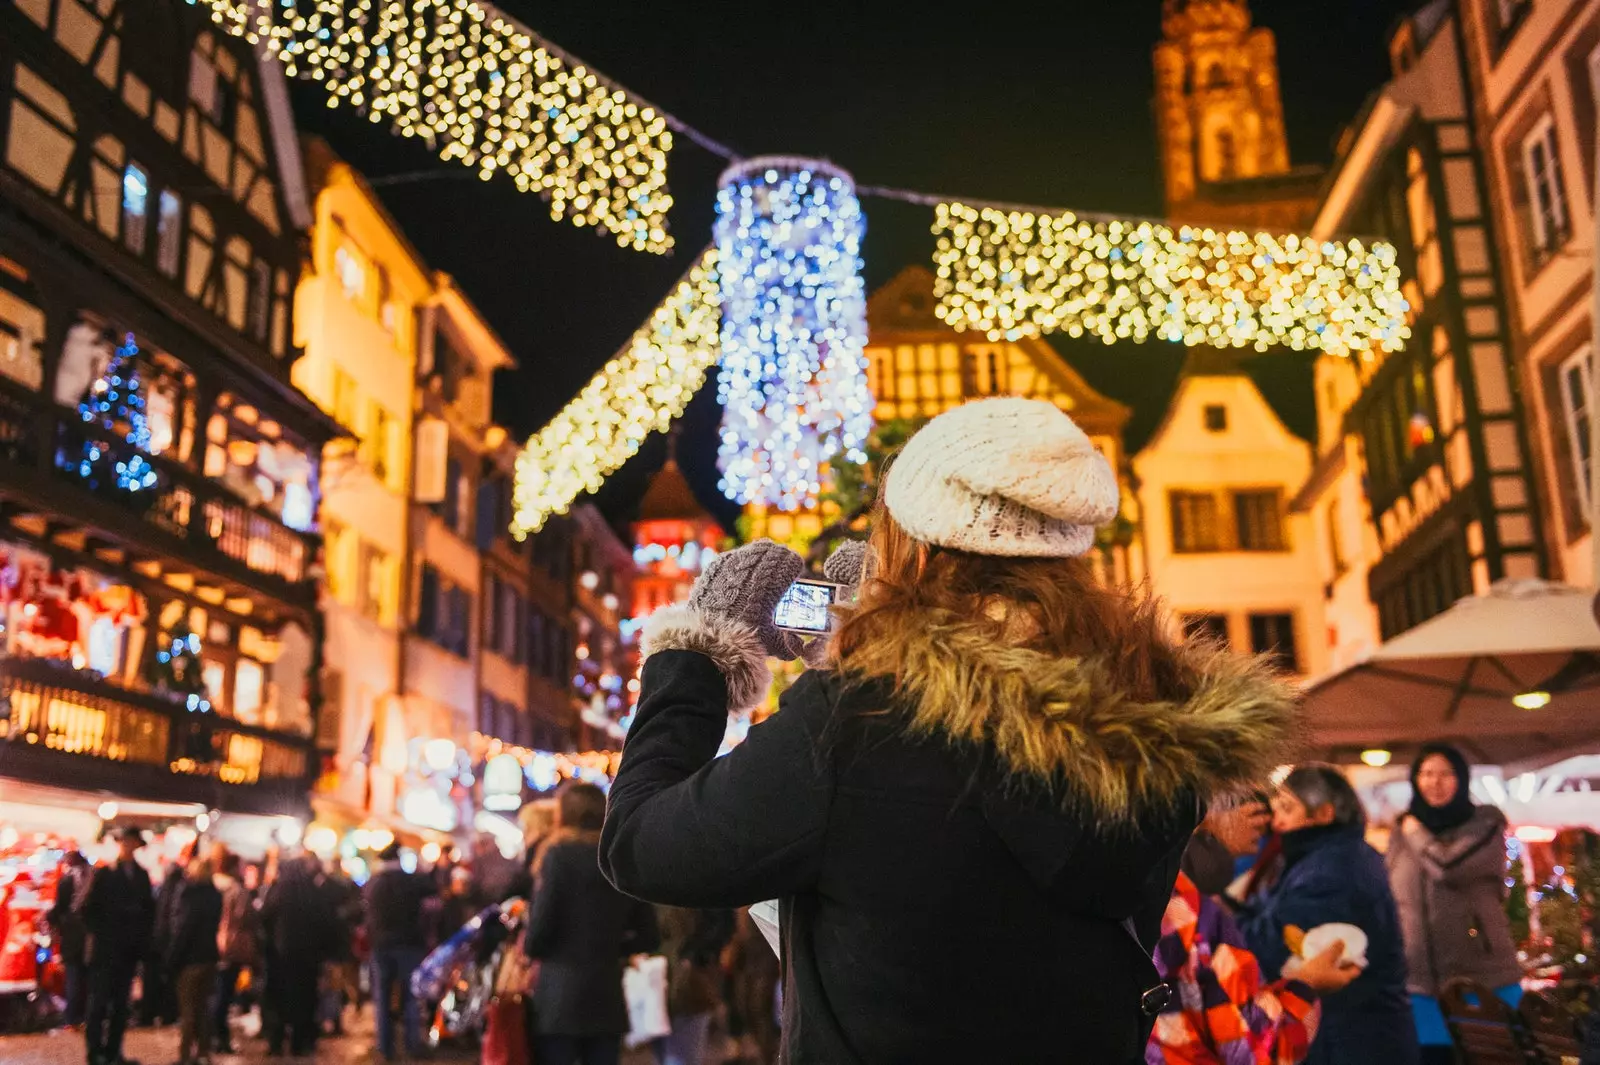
[745,585]
[845,567]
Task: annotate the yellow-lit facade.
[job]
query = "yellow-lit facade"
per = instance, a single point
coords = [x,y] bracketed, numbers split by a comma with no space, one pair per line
[917,367]
[355,316]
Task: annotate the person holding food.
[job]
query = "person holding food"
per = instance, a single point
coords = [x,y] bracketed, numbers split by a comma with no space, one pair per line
[1447,866]
[1331,877]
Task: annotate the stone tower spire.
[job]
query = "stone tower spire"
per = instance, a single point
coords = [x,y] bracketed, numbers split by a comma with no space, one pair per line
[1219,116]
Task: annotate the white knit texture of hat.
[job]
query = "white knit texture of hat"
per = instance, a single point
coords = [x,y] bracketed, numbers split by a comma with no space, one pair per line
[1003,476]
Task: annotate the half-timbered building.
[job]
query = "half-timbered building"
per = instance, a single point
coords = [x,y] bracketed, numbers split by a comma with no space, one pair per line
[158,470]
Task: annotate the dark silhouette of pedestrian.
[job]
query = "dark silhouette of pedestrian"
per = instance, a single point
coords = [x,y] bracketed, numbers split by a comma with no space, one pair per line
[71,935]
[192,956]
[397,935]
[118,912]
[298,931]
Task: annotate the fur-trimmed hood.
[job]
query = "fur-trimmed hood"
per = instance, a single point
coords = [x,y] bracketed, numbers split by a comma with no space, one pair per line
[1063,723]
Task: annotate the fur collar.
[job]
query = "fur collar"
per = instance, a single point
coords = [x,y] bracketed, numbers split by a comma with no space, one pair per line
[1061,722]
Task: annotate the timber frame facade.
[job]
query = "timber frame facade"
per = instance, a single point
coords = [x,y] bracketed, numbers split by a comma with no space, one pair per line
[151,197]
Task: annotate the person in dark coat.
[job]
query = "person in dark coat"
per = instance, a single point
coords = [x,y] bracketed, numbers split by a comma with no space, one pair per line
[191,958]
[973,822]
[236,944]
[445,915]
[71,936]
[118,913]
[1447,866]
[158,1000]
[397,935]
[692,941]
[298,933]
[1330,875]
[343,969]
[581,930]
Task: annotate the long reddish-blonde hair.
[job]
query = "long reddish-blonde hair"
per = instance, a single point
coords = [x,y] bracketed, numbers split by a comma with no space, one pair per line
[1053,605]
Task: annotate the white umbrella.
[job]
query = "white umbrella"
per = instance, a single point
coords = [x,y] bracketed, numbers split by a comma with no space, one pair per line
[1507,676]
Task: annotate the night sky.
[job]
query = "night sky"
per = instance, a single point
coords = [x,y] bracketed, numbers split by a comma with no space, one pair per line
[1036,102]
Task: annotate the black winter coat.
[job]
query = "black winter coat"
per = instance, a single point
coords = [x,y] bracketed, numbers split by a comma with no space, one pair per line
[1331,875]
[394,900]
[938,904]
[196,919]
[119,912]
[297,920]
[581,930]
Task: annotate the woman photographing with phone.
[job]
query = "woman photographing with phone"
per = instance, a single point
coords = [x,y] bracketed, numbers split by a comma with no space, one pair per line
[973,819]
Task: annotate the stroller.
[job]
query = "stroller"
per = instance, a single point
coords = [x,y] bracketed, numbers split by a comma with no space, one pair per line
[456,983]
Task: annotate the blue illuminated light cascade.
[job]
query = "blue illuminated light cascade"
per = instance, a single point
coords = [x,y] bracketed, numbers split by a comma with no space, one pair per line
[115,406]
[793,382]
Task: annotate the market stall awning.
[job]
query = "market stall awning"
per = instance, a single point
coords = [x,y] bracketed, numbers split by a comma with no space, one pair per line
[1509,676]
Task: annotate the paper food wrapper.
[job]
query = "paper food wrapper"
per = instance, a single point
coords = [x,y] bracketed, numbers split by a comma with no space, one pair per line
[765,915]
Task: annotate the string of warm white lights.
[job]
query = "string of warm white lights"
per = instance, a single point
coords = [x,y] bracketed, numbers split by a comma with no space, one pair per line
[640,391]
[1017,273]
[793,383]
[480,88]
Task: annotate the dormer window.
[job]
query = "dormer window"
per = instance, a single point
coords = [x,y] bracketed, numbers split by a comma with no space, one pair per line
[1216,418]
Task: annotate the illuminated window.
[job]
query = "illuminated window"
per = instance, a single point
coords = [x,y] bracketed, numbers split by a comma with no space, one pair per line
[1194,522]
[372,595]
[249,683]
[135,206]
[1574,377]
[1550,221]
[169,232]
[1273,634]
[346,401]
[1258,517]
[376,441]
[21,341]
[351,267]
[1206,626]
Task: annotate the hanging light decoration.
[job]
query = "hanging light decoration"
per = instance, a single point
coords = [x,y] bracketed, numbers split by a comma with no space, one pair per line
[1014,273]
[793,383]
[639,392]
[479,88]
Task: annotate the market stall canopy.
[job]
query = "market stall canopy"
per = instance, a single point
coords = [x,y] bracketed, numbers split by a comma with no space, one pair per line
[1509,676]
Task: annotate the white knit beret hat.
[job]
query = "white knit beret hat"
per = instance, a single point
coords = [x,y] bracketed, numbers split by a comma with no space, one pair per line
[1003,476]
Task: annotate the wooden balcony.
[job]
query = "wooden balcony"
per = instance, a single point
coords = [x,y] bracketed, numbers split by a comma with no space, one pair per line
[183,523]
[69,727]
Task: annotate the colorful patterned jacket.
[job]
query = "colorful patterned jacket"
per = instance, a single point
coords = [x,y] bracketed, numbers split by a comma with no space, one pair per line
[1222,1013]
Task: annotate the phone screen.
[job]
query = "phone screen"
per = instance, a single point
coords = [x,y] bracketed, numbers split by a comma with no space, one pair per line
[804,607]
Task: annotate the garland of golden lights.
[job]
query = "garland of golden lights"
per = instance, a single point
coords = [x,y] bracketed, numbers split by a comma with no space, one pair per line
[482,89]
[1012,273]
[640,391]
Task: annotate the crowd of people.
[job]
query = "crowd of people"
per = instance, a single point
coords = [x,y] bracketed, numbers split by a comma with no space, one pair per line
[297,941]
[1001,819]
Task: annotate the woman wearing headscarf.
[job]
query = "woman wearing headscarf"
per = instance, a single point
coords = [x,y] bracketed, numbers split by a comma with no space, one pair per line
[1331,876]
[973,822]
[1447,864]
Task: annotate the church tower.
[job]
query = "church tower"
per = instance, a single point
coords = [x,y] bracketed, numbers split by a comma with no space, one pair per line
[1219,119]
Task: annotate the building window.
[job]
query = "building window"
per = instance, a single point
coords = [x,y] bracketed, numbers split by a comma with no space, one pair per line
[169,232]
[1273,634]
[1216,418]
[373,592]
[21,341]
[1212,628]
[135,206]
[1547,200]
[1336,556]
[377,442]
[346,401]
[1194,522]
[1258,516]
[260,299]
[351,267]
[1574,377]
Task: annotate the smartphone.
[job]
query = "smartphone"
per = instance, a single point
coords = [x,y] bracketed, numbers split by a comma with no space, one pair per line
[804,606]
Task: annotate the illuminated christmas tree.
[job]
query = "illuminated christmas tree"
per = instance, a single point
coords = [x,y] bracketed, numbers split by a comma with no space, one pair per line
[117,445]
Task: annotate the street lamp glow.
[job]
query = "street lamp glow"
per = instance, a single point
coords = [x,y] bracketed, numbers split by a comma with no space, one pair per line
[1531,700]
[1376,757]
[107,811]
